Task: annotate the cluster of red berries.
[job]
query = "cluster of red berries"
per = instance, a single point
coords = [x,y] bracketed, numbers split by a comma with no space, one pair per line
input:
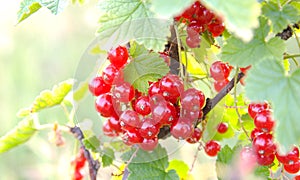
[262,140]
[199,19]
[220,72]
[138,117]
[77,165]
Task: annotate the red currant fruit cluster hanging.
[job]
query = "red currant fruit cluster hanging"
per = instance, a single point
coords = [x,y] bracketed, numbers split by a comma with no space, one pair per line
[262,137]
[199,19]
[220,72]
[138,117]
[77,165]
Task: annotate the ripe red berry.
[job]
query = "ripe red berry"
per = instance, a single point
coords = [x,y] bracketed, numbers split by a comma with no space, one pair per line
[263,144]
[154,89]
[212,148]
[293,155]
[220,71]
[182,130]
[192,100]
[109,74]
[265,160]
[97,86]
[193,41]
[222,127]
[195,136]
[142,105]
[104,105]
[254,108]
[264,120]
[255,132]
[219,85]
[132,136]
[148,128]
[123,92]
[108,131]
[149,144]
[130,118]
[171,87]
[118,57]
[293,167]
[216,28]
[114,123]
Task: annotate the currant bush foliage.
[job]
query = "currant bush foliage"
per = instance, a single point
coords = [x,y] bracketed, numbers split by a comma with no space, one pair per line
[144,26]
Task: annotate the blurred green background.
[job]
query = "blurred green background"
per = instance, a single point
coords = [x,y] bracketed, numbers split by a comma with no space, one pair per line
[34,55]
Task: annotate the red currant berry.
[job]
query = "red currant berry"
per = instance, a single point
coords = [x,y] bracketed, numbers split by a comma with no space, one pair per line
[154,89]
[193,41]
[149,144]
[114,123]
[77,175]
[264,120]
[182,130]
[263,144]
[148,129]
[293,167]
[216,29]
[118,57]
[97,86]
[297,177]
[265,160]
[124,92]
[220,71]
[142,105]
[254,108]
[104,106]
[109,74]
[219,85]
[212,148]
[293,155]
[166,58]
[132,137]
[255,132]
[130,118]
[195,136]
[222,127]
[248,157]
[171,87]
[108,131]
[192,100]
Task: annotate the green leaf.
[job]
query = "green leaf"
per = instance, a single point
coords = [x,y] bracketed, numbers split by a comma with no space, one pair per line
[81,91]
[239,53]
[108,157]
[201,52]
[224,160]
[119,146]
[27,8]
[240,16]
[92,143]
[19,135]
[269,81]
[146,66]
[280,17]
[124,20]
[214,118]
[48,98]
[262,171]
[55,6]
[149,165]
[180,167]
[164,9]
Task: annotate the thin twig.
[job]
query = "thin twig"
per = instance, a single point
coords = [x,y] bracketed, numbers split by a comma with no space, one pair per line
[94,165]
[195,157]
[235,104]
[126,172]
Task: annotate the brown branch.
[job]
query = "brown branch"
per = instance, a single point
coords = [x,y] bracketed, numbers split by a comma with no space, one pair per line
[94,165]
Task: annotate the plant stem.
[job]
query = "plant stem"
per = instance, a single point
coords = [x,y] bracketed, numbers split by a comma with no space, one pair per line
[235,104]
[291,56]
[94,165]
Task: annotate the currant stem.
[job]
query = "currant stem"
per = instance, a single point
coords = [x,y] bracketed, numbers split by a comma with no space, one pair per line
[235,104]
[291,56]
[94,165]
